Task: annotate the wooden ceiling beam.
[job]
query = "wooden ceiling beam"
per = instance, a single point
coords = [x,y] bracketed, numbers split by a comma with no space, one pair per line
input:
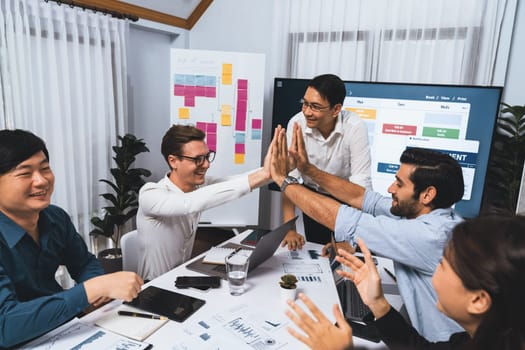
[198,12]
[152,15]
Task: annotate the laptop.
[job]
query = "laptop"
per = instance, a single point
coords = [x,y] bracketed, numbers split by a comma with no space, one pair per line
[264,249]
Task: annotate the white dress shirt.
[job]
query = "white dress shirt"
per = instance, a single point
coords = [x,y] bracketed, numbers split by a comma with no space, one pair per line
[168,218]
[345,153]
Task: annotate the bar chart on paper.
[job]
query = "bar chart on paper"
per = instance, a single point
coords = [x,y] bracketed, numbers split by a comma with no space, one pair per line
[222,93]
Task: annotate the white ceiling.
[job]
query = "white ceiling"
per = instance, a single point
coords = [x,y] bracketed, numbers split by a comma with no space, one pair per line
[178,8]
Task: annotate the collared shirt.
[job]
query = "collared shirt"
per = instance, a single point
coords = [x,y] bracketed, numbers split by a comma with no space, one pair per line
[416,247]
[168,218]
[345,153]
[31,301]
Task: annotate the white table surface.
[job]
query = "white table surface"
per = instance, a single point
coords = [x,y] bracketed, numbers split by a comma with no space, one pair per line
[262,299]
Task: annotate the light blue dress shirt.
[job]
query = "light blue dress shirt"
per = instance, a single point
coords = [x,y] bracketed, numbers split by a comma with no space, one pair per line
[31,301]
[416,247]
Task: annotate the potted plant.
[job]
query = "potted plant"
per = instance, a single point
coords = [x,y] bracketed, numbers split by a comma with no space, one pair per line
[288,285]
[505,167]
[123,199]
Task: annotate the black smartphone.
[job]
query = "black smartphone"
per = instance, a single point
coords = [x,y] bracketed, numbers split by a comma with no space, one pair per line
[200,282]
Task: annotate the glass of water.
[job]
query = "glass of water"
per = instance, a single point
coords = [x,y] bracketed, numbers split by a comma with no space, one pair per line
[237,269]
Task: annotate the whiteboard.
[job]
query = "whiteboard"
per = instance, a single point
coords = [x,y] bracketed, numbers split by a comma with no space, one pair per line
[222,93]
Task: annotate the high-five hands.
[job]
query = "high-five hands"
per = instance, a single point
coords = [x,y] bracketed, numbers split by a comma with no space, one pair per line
[298,150]
[279,165]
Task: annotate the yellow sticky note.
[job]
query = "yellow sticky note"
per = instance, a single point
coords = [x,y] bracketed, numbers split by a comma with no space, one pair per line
[226,79]
[226,109]
[239,158]
[227,68]
[226,119]
[364,113]
[227,72]
[184,113]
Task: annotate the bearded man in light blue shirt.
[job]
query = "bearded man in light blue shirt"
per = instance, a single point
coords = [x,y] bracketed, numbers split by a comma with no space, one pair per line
[411,228]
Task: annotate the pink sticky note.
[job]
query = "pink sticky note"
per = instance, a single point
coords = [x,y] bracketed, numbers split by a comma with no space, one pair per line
[201,126]
[242,84]
[256,123]
[240,148]
[178,90]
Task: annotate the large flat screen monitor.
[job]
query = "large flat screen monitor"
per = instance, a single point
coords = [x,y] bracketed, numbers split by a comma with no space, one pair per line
[455,119]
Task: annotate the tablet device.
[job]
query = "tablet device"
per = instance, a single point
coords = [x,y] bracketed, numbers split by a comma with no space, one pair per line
[175,306]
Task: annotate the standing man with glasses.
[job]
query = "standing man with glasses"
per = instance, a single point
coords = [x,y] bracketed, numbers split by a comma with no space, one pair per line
[169,210]
[336,141]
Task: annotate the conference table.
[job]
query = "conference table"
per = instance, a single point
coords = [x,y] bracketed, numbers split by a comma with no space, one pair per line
[255,319]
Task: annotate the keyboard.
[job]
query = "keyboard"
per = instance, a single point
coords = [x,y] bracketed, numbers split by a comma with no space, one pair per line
[351,302]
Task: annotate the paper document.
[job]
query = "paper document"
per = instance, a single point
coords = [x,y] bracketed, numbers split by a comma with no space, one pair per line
[76,335]
[239,327]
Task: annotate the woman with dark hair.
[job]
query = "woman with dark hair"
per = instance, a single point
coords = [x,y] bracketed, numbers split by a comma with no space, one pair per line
[479,284]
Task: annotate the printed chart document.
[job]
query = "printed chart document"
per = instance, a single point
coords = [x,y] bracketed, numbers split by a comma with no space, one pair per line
[240,327]
[76,335]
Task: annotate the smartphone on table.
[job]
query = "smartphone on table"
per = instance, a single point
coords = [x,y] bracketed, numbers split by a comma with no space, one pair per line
[199,282]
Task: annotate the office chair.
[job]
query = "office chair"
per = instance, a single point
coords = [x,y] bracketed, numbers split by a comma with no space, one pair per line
[131,251]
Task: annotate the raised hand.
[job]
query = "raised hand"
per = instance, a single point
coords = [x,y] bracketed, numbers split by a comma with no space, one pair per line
[298,149]
[279,162]
[366,278]
[321,333]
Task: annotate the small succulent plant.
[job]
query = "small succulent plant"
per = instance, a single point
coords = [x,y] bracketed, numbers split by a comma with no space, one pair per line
[288,281]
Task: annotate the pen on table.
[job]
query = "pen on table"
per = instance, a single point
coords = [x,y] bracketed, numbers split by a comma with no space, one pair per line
[138,314]
[390,274]
[234,252]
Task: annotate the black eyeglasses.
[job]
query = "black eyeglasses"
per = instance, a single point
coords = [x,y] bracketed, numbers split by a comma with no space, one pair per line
[199,160]
[313,106]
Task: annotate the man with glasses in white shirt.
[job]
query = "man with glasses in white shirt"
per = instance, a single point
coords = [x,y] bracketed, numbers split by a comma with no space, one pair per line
[336,141]
[169,210]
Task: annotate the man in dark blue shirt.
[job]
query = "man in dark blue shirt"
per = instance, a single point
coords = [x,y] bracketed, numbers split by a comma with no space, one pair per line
[35,238]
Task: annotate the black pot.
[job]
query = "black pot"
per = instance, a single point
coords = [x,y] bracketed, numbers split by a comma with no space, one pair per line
[111,260]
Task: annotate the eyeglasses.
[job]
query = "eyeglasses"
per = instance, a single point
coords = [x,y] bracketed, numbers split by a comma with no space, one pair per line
[313,106]
[199,160]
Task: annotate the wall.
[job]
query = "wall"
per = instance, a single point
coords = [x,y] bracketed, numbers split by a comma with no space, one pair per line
[148,86]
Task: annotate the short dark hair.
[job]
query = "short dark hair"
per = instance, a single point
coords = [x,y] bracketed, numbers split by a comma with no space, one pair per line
[488,253]
[17,146]
[435,169]
[177,136]
[330,87]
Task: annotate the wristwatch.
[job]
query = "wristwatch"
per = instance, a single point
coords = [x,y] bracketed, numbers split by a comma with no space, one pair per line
[289,180]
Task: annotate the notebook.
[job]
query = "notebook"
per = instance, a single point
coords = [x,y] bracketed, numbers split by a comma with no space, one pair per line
[137,328]
[265,248]
[217,255]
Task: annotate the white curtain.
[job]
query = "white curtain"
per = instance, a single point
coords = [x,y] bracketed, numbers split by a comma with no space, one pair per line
[63,72]
[439,41]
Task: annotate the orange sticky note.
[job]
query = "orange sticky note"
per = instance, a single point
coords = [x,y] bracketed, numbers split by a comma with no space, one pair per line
[184,113]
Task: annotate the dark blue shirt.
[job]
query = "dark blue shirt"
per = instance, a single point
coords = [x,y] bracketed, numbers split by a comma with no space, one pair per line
[31,301]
